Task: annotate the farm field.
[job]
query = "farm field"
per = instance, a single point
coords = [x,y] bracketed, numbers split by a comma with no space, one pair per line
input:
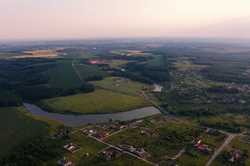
[97,102]
[75,53]
[128,52]
[122,85]
[39,54]
[116,64]
[16,127]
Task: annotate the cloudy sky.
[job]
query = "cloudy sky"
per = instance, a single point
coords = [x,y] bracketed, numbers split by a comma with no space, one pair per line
[62,19]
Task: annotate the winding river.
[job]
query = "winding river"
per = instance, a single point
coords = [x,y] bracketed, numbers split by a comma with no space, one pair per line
[78,120]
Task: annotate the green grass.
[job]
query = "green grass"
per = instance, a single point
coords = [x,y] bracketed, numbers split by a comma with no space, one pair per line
[187,160]
[64,76]
[117,64]
[213,141]
[124,160]
[16,127]
[122,85]
[99,101]
[87,145]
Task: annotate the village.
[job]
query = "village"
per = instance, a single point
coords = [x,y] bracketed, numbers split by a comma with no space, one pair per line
[208,144]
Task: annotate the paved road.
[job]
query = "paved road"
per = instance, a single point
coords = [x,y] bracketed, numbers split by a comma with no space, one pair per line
[220,149]
[179,154]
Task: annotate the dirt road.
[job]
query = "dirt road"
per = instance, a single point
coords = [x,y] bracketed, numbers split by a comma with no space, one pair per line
[229,138]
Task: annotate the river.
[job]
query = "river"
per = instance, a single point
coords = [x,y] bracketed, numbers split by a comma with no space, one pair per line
[79,120]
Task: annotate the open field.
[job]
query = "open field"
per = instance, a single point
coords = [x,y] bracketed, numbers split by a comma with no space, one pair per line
[116,64]
[123,160]
[123,85]
[129,52]
[75,53]
[87,146]
[38,54]
[186,65]
[16,128]
[99,101]
[198,159]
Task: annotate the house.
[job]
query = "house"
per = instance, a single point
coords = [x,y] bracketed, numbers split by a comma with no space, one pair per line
[96,62]
[137,151]
[212,131]
[64,162]
[101,134]
[202,147]
[128,148]
[71,147]
[62,133]
[236,155]
[111,153]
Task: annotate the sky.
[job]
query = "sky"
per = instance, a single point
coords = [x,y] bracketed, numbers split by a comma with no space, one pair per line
[80,19]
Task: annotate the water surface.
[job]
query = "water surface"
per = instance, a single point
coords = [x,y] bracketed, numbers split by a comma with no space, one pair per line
[78,120]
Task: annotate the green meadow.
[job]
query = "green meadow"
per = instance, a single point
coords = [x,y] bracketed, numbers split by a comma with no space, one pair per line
[97,102]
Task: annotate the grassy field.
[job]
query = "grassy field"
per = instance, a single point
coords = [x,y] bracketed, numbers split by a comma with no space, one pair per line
[198,160]
[124,160]
[87,145]
[64,76]
[99,101]
[116,64]
[118,84]
[128,52]
[16,127]
[186,65]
